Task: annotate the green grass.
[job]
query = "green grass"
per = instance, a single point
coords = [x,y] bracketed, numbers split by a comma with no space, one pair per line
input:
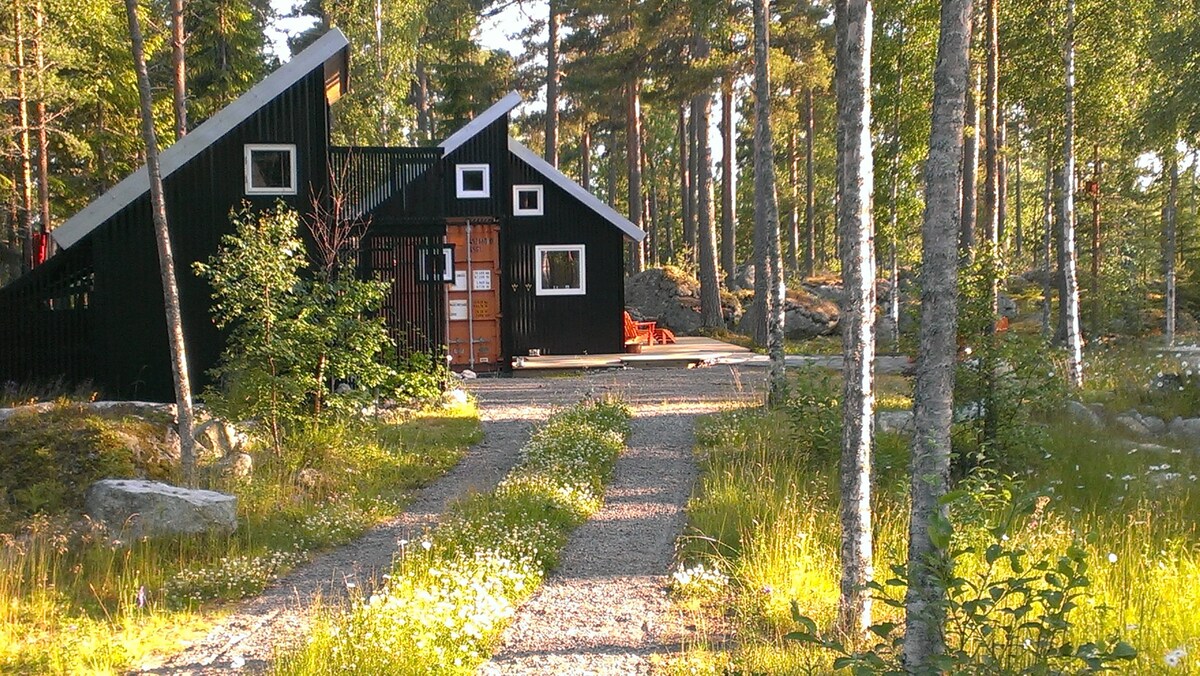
[451,594]
[765,512]
[82,601]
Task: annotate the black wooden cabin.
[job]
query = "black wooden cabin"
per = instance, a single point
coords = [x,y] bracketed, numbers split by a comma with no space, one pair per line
[491,252]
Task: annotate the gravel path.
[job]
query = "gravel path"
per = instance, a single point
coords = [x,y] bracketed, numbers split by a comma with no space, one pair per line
[605,610]
[278,619]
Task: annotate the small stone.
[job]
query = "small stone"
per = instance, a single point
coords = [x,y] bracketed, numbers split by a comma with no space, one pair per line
[894,422]
[1132,423]
[237,466]
[1081,413]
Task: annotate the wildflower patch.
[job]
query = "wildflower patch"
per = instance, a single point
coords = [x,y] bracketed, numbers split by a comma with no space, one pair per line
[451,594]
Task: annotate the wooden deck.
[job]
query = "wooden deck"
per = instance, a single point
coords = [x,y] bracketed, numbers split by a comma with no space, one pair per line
[687,352]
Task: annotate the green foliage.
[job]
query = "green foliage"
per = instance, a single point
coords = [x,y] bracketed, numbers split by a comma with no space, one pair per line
[451,594]
[1013,615]
[48,460]
[291,335]
[814,408]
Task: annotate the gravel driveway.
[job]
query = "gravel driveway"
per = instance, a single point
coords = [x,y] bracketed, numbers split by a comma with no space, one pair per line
[604,611]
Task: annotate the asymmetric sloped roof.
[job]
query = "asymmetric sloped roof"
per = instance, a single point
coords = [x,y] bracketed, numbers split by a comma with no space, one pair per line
[575,190]
[330,47]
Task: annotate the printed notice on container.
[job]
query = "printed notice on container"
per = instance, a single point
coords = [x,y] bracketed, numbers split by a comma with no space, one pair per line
[460,281]
[483,280]
[458,309]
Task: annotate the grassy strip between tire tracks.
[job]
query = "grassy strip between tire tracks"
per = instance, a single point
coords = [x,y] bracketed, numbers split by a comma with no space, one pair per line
[451,594]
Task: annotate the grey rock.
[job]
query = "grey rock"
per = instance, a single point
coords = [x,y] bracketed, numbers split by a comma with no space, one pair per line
[1007,306]
[237,466]
[1186,430]
[894,422]
[1155,424]
[221,438]
[671,299]
[1132,423]
[1083,414]
[152,508]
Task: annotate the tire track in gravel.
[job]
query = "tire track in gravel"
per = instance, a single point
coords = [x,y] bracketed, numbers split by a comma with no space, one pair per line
[278,619]
[605,610]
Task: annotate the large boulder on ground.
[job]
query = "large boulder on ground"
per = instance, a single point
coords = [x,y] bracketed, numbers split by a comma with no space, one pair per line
[220,438]
[151,508]
[671,298]
[1084,414]
[804,316]
[1186,430]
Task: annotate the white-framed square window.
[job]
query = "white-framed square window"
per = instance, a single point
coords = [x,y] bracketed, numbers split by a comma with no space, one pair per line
[560,269]
[473,181]
[270,168]
[527,200]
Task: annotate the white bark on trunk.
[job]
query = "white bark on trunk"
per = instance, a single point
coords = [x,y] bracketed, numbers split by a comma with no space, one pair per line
[1169,238]
[856,181]
[1070,274]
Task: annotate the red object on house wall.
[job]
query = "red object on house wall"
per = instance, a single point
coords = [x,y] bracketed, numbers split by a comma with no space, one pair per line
[39,248]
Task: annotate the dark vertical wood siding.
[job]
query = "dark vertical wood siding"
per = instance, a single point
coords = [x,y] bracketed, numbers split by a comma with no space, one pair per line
[587,324]
[489,147]
[414,311]
[128,326]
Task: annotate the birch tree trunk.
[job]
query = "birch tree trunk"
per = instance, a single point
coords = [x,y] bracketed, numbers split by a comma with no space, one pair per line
[766,208]
[685,183]
[1018,223]
[856,181]
[178,70]
[1047,240]
[893,308]
[1169,245]
[158,211]
[1070,276]
[728,188]
[552,77]
[793,250]
[933,395]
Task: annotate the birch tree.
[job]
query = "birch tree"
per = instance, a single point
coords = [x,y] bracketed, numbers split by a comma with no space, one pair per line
[1070,297]
[933,395]
[853,25]
[178,70]
[166,260]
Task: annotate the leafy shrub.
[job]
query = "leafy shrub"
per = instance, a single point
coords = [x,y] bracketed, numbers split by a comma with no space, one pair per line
[814,408]
[49,459]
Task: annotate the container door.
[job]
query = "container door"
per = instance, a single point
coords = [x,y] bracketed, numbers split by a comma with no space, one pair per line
[473,301]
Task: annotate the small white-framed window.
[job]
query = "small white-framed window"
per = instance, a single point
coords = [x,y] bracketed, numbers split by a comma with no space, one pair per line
[270,168]
[473,181]
[560,269]
[527,200]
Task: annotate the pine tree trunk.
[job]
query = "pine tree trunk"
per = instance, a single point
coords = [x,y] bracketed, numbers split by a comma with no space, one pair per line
[43,144]
[24,147]
[1019,223]
[970,162]
[685,182]
[421,99]
[710,288]
[793,253]
[178,70]
[933,395]
[633,157]
[694,172]
[1170,214]
[810,221]
[856,180]
[728,188]
[552,77]
[1002,225]
[1074,340]
[769,293]
[585,158]
[158,210]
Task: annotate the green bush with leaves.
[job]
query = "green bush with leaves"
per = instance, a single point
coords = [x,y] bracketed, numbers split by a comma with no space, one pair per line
[293,332]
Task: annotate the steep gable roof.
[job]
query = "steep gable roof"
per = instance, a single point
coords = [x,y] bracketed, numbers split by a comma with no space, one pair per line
[575,190]
[480,122]
[330,50]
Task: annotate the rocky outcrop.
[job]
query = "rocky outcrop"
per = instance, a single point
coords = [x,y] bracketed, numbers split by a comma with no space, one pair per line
[804,316]
[150,508]
[672,299]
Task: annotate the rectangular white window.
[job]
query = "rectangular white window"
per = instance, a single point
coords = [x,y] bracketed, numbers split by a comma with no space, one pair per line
[270,168]
[561,270]
[527,200]
[473,181]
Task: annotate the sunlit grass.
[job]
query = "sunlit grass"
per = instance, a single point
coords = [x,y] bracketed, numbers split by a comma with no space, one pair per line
[451,593]
[81,600]
[766,513]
